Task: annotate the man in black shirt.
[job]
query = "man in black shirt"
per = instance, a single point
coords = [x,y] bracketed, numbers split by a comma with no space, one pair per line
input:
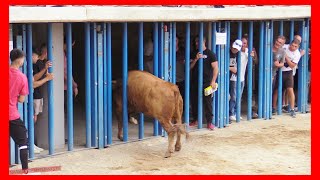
[39,72]
[210,73]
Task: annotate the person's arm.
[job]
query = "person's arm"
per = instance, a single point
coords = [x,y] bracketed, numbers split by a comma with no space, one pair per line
[215,72]
[254,56]
[193,63]
[278,64]
[21,98]
[290,63]
[43,71]
[49,76]
[233,69]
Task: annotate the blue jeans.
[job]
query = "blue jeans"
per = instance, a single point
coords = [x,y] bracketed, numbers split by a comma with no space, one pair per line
[233,92]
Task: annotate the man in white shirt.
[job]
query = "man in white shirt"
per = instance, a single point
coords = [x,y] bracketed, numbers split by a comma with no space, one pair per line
[291,60]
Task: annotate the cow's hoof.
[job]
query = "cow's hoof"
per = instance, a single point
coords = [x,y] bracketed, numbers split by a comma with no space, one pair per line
[178,147]
[168,154]
[133,120]
[120,137]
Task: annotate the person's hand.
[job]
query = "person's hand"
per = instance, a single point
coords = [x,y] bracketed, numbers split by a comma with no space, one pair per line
[252,54]
[48,64]
[75,91]
[213,85]
[49,76]
[198,56]
[302,52]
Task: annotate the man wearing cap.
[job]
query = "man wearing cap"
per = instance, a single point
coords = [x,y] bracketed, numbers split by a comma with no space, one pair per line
[236,47]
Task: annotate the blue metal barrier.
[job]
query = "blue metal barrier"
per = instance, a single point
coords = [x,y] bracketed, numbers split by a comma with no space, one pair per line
[261,70]
[155,69]
[100,90]
[109,84]
[187,75]
[141,116]
[125,81]
[228,71]
[69,85]
[238,99]
[249,114]
[200,76]
[88,82]
[280,77]
[94,84]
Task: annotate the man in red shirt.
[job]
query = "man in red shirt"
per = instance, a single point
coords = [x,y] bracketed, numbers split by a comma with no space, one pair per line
[18,89]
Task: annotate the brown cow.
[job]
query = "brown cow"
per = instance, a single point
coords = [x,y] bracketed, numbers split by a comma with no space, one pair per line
[155,98]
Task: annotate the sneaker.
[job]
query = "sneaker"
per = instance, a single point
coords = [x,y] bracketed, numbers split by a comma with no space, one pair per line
[194,123]
[36,151]
[240,118]
[210,126]
[232,118]
[285,108]
[38,148]
[292,113]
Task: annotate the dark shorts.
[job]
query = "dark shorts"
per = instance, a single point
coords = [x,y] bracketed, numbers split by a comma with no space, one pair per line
[287,80]
[18,132]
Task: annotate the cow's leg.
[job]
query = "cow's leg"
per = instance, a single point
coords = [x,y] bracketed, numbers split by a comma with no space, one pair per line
[178,142]
[170,129]
[119,117]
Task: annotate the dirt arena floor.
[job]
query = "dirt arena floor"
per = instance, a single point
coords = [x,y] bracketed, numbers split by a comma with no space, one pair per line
[278,146]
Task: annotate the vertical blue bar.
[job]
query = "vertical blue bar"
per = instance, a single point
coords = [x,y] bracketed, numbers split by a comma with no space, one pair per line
[267,67]
[270,67]
[261,70]
[307,27]
[174,32]
[155,67]
[218,93]
[160,64]
[105,86]
[125,81]
[226,79]
[50,93]
[213,47]
[265,71]
[291,30]
[238,98]
[280,76]
[30,97]
[69,85]
[100,91]
[187,75]
[24,47]
[170,52]
[109,84]
[222,86]
[301,91]
[94,124]
[88,82]
[249,115]
[228,72]
[141,115]
[200,75]
[13,150]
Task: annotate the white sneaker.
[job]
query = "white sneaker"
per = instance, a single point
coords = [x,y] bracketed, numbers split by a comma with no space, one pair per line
[232,118]
[240,118]
[35,150]
[38,148]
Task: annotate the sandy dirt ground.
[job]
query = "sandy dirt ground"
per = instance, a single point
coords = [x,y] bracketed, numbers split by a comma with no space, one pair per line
[278,146]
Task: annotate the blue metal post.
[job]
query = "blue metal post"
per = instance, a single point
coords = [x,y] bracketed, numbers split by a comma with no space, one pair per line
[200,76]
[261,70]
[125,81]
[161,131]
[218,93]
[24,47]
[187,75]
[213,47]
[30,97]
[228,71]
[270,67]
[141,116]
[105,86]
[268,73]
[69,85]
[222,86]
[109,84]
[88,82]
[291,30]
[301,91]
[174,52]
[280,77]
[249,115]
[306,62]
[155,68]
[100,91]
[50,93]
[238,93]
[94,84]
